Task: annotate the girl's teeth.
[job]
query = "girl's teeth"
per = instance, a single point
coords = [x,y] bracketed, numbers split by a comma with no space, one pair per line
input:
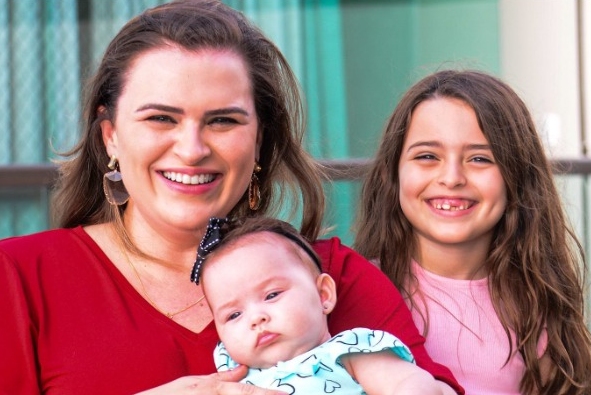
[448,207]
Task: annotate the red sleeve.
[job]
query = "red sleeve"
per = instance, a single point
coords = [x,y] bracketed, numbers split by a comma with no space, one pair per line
[367,298]
[17,361]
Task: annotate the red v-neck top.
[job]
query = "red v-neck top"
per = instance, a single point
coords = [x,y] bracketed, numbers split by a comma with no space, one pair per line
[71,324]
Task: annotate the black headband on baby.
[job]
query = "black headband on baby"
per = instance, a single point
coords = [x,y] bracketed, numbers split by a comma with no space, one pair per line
[217,227]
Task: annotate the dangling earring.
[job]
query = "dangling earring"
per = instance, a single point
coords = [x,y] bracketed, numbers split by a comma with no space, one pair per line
[254,192]
[113,187]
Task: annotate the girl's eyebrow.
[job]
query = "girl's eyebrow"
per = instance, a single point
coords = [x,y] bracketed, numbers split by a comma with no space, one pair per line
[438,144]
[424,144]
[479,147]
[177,110]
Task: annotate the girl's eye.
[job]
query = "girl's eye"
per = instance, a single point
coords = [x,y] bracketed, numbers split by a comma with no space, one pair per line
[272,295]
[162,118]
[426,157]
[482,159]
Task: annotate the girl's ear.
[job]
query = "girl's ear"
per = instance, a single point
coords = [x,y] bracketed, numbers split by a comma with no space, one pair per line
[108,132]
[327,290]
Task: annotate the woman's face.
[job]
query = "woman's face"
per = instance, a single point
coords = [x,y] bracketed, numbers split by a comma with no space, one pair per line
[186,137]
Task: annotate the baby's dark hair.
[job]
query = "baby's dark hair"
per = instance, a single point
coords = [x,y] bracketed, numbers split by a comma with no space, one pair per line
[222,233]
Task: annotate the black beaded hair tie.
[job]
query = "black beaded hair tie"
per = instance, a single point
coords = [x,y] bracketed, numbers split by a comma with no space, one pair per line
[211,238]
[218,228]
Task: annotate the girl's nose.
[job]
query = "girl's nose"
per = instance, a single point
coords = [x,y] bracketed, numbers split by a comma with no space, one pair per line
[452,174]
[191,145]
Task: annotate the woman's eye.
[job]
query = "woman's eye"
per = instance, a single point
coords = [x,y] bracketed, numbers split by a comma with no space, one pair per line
[272,295]
[162,118]
[233,316]
[222,120]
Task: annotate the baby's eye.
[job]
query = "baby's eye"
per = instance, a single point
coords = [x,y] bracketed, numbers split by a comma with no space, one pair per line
[233,316]
[272,295]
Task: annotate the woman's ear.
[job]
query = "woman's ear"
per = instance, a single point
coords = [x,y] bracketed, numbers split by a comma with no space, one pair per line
[327,290]
[108,131]
[259,143]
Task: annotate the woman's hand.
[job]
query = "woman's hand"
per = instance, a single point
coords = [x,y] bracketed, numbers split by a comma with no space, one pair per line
[222,383]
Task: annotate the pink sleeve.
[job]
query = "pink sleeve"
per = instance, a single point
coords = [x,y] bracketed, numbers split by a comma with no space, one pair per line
[367,298]
[18,368]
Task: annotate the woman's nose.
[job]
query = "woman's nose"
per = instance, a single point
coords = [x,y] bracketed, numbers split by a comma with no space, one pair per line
[191,145]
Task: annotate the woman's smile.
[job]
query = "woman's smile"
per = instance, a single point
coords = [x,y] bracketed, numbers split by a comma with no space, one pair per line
[186,137]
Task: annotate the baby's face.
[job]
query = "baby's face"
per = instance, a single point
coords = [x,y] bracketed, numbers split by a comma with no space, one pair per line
[265,301]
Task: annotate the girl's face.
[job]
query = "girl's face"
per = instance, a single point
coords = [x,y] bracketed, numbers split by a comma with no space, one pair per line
[186,137]
[451,189]
[267,303]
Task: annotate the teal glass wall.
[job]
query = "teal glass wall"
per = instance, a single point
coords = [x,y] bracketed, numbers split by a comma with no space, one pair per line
[353,58]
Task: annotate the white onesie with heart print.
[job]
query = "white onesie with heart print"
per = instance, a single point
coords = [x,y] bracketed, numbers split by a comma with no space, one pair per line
[319,370]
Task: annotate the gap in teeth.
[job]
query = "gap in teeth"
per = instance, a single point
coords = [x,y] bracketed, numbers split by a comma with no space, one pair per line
[449,207]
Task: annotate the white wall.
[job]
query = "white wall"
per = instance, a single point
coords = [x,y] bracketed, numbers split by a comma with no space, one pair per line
[539,58]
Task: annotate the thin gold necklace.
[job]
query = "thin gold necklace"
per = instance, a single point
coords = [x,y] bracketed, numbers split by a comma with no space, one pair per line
[168,314]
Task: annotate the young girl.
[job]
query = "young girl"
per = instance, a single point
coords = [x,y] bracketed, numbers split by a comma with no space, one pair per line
[270,300]
[461,212]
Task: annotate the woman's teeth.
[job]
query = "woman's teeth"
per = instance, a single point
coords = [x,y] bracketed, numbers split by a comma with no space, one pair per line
[187,179]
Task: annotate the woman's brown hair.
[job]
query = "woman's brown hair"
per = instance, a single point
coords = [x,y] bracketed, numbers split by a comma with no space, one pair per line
[287,170]
[536,264]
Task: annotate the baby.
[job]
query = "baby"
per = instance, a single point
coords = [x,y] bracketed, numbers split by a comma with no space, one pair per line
[270,301]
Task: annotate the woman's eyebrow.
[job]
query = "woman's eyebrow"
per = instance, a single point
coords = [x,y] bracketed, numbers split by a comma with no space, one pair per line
[177,110]
[160,107]
[226,111]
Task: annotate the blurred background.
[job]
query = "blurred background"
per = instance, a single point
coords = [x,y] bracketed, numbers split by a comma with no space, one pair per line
[354,58]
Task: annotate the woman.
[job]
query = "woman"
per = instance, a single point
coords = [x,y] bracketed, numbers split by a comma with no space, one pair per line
[193,113]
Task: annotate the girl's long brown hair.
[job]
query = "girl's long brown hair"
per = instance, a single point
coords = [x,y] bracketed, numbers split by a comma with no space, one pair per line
[536,265]
[195,25]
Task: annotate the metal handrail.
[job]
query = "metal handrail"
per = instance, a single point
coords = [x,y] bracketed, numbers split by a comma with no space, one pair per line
[45,175]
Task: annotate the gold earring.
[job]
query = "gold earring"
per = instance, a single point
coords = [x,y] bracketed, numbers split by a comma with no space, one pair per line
[113,186]
[254,192]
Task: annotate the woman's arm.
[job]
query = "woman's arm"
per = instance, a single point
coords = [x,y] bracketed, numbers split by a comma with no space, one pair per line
[18,370]
[223,383]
